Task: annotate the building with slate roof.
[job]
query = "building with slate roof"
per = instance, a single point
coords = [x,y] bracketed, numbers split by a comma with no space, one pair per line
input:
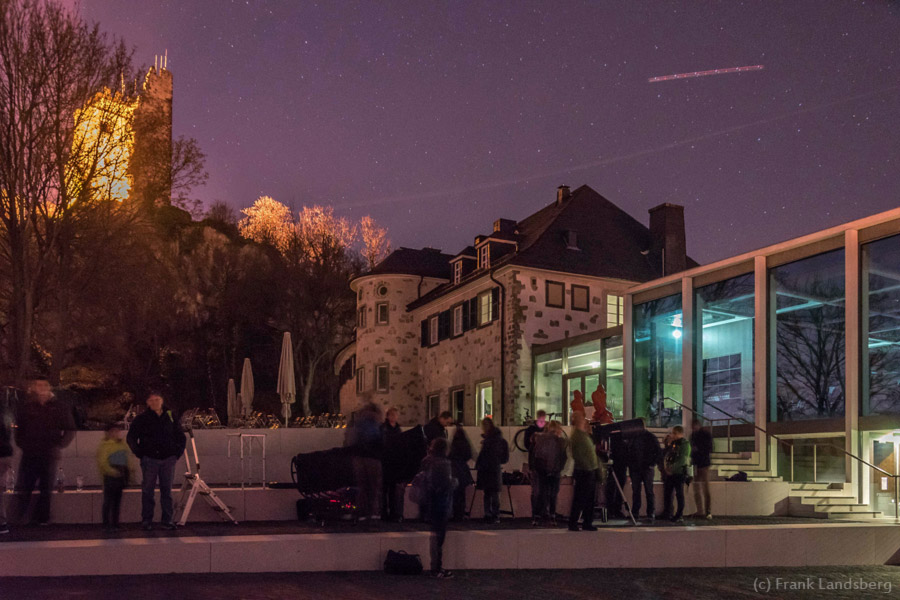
[464,332]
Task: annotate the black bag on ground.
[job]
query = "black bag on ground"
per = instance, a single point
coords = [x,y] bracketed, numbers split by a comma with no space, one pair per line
[739,476]
[401,563]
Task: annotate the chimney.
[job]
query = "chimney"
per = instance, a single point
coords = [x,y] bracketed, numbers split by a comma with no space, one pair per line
[562,194]
[504,226]
[668,250]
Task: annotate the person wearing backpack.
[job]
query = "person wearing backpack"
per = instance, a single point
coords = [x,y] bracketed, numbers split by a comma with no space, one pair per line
[547,462]
[587,468]
[494,454]
[677,466]
[701,458]
[437,485]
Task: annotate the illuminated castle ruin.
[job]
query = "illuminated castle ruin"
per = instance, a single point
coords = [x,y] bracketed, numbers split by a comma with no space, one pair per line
[122,142]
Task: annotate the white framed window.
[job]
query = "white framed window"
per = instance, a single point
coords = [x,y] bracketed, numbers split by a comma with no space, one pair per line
[484,400]
[457,271]
[361,317]
[360,380]
[433,330]
[382,373]
[382,310]
[457,320]
[457,404]
[433,405]
[484,256]
[615,310]
[485,308]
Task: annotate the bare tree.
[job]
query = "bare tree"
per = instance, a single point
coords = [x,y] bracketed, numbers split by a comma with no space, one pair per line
[52,162]
[376,245]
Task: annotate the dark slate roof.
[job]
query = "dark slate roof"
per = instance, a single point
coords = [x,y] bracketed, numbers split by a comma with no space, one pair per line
[611,243]
[467,251]
[427,262]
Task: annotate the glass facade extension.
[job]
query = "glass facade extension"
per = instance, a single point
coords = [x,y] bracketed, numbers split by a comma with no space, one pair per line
[880,286]
[723,359]
[657,334]
[808,354]
[583,366]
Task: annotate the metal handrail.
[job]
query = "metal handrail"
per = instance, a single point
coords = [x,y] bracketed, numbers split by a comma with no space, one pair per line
[896,478]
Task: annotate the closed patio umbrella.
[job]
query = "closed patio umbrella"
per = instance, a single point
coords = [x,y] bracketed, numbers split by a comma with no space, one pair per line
[287,388]
[247,388]
[232,405]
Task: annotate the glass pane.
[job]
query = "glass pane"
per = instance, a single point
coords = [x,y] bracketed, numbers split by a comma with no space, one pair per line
[485,394]
[809,338]
[584,357]
[884,455]
[614,383]
[548,394]
[657,360]
[881,326]
[724,348]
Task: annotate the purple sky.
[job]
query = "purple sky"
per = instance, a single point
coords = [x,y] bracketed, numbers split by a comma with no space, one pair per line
[437,118]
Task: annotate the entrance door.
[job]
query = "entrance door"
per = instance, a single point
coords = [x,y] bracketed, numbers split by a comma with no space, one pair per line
[884,455]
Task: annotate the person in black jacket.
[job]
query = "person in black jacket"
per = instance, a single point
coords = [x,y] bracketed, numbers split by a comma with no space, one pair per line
[391,465]
[701,458]
[437,427]
[644,454]
[439,486]
[367,450]
[44,426]
[494,454]
[460,455]
[156,438]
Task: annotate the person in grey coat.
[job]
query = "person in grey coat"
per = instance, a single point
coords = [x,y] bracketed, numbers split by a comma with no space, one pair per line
[489,464]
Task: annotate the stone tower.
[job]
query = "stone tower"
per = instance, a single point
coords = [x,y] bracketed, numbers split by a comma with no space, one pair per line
[151,163]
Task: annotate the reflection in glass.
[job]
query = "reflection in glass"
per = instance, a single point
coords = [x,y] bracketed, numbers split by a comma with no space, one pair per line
[881,326]
[724,348]
[657,360]
[548,382]
[809,337]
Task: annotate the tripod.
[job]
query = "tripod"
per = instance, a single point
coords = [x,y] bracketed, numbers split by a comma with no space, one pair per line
[625,502]
[194,485]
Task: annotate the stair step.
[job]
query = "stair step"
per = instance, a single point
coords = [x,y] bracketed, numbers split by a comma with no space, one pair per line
[827,500]
[870,514]
[808,485]
[817,494]
[841,508]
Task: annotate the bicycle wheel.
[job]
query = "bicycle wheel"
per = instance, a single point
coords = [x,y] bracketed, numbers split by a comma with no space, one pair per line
[519,440]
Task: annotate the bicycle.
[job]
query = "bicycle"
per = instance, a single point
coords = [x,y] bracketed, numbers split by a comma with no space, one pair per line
[519,437]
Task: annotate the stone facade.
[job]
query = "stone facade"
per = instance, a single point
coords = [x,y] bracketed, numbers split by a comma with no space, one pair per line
[464,361]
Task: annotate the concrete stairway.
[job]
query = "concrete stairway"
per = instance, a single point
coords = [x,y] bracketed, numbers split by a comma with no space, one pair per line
[827,501]
[726,464]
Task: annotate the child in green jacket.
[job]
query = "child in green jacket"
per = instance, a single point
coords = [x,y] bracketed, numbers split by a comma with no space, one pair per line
[113,460]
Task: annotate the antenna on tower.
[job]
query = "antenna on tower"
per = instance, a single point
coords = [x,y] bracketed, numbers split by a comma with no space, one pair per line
[155,62]
[166,60]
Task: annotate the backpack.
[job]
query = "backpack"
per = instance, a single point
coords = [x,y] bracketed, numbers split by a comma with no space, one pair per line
[418,491]
[401,563]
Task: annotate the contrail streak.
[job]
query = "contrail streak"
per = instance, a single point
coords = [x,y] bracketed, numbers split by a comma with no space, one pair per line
[603,162]
[705,73]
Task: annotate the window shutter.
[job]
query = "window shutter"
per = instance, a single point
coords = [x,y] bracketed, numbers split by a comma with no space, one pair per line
[424,333]
[444,325]
[473,312]
[465,315]
[495,303]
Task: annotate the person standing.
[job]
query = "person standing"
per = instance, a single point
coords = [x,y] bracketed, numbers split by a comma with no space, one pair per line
[548,461]
[156,439]
[701,458]
[44,426]
[645,454]
[391,464]
[494,454]
[6,453]
[113,462]
[539,426]
[365,441]
[584,453]
[677,462]
[460,455]
[437,427]
[439,486]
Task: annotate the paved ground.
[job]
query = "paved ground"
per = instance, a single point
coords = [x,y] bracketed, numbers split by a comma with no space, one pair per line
[77,532]
[632,584]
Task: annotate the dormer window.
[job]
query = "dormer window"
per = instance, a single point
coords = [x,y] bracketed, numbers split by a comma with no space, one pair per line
[572,240]
[484,256]
[457,271]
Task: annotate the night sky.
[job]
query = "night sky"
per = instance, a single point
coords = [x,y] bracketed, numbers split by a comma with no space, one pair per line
[438,118]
